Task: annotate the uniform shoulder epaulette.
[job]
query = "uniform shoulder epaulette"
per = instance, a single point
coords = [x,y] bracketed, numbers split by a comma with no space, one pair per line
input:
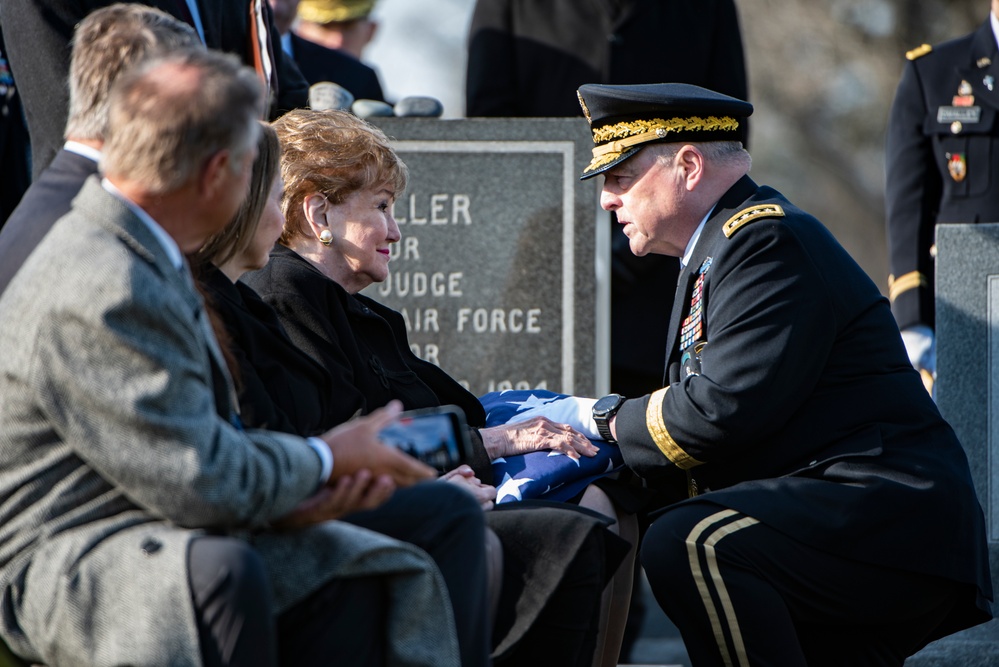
[748,215]
[918,52]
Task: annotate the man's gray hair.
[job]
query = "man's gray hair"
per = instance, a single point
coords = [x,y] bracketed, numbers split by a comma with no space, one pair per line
[724,152]
[170,115]
[106,43]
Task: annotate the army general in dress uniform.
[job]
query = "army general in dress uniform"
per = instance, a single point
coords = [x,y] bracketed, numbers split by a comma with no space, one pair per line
[942,164]
[831,517]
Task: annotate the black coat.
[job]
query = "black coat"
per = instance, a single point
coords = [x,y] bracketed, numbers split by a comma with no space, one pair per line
[276,381]
[38,34]
[361,343]
[365,347]
[791,399]
[939,172]
[528,57]
[319,63]
[48,199]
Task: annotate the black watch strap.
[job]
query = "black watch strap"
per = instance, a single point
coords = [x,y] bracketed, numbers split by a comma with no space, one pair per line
[603,411]
[604,429]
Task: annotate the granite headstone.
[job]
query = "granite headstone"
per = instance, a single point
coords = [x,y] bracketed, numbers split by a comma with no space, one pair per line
[967,393]
[502,273]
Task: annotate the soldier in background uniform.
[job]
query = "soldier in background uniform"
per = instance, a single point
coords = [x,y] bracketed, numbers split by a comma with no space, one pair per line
[831,517]
[942,161]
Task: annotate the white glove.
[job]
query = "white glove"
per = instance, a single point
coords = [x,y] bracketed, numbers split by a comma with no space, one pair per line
[921,345]
[574,411]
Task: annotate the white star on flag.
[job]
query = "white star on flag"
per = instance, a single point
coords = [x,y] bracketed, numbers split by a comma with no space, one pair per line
[511,487]
[532,402]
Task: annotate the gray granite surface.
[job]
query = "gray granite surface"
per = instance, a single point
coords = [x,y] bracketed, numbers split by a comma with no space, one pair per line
[967,391]
[502,271]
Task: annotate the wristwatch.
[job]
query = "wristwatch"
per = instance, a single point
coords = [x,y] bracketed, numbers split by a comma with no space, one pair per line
[603,411]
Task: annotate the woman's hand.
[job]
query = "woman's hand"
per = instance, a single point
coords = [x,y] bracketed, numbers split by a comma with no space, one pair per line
[535,435]
[352,493]
[464,477]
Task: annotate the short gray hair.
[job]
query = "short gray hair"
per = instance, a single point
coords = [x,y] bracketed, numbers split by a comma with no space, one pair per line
[163,127]
[106,43]
[725,152]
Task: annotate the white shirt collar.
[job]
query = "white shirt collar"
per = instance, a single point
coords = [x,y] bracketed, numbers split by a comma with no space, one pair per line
[995,27]
[82,149]
[169,245]
[693,240]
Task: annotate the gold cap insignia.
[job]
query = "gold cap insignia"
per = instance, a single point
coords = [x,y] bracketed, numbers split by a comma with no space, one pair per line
[614,140]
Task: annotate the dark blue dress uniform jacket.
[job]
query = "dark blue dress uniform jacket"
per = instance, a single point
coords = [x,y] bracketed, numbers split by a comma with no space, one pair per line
[939,171]
[795,403]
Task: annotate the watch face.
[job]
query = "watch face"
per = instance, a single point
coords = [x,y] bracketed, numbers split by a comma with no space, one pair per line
[606,403]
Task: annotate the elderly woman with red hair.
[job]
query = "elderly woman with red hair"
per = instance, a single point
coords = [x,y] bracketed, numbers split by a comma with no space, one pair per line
[341,178]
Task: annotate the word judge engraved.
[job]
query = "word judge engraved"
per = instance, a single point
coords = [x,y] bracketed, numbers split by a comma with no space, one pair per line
[418,283]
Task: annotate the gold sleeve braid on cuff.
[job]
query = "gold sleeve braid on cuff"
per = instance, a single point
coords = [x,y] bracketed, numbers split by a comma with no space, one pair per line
[664,441]
[911,280]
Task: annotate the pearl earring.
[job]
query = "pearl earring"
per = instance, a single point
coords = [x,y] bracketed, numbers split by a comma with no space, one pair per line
[326,237]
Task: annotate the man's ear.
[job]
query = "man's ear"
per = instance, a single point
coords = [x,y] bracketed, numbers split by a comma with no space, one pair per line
[691,161]
[372,31]
[214,175]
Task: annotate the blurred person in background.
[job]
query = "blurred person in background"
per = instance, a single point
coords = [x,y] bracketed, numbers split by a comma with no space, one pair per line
[106,43]
[942,159]
[327,42]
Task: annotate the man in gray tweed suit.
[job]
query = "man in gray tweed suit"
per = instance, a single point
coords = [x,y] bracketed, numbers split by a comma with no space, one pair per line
[137,517]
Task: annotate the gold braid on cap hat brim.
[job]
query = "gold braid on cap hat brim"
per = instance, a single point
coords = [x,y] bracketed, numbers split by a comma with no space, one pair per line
[622,136]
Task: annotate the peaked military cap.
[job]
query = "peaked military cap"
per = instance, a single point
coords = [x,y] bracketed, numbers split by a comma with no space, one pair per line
[624,118]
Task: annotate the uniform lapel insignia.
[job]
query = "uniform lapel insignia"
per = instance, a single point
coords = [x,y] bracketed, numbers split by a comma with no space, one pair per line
[964,98]
[957,166]
[989,81]
[984,62]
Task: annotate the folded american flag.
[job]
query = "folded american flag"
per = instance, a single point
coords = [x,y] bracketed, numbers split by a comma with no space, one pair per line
[546,474]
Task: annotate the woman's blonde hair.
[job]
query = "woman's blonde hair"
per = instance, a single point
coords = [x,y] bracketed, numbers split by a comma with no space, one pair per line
[238,234]
[335,154]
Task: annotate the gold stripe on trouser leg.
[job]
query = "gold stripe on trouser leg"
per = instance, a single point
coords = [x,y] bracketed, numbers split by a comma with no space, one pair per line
[716,578]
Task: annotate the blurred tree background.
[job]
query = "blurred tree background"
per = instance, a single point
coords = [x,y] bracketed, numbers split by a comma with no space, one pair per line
[822,75]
